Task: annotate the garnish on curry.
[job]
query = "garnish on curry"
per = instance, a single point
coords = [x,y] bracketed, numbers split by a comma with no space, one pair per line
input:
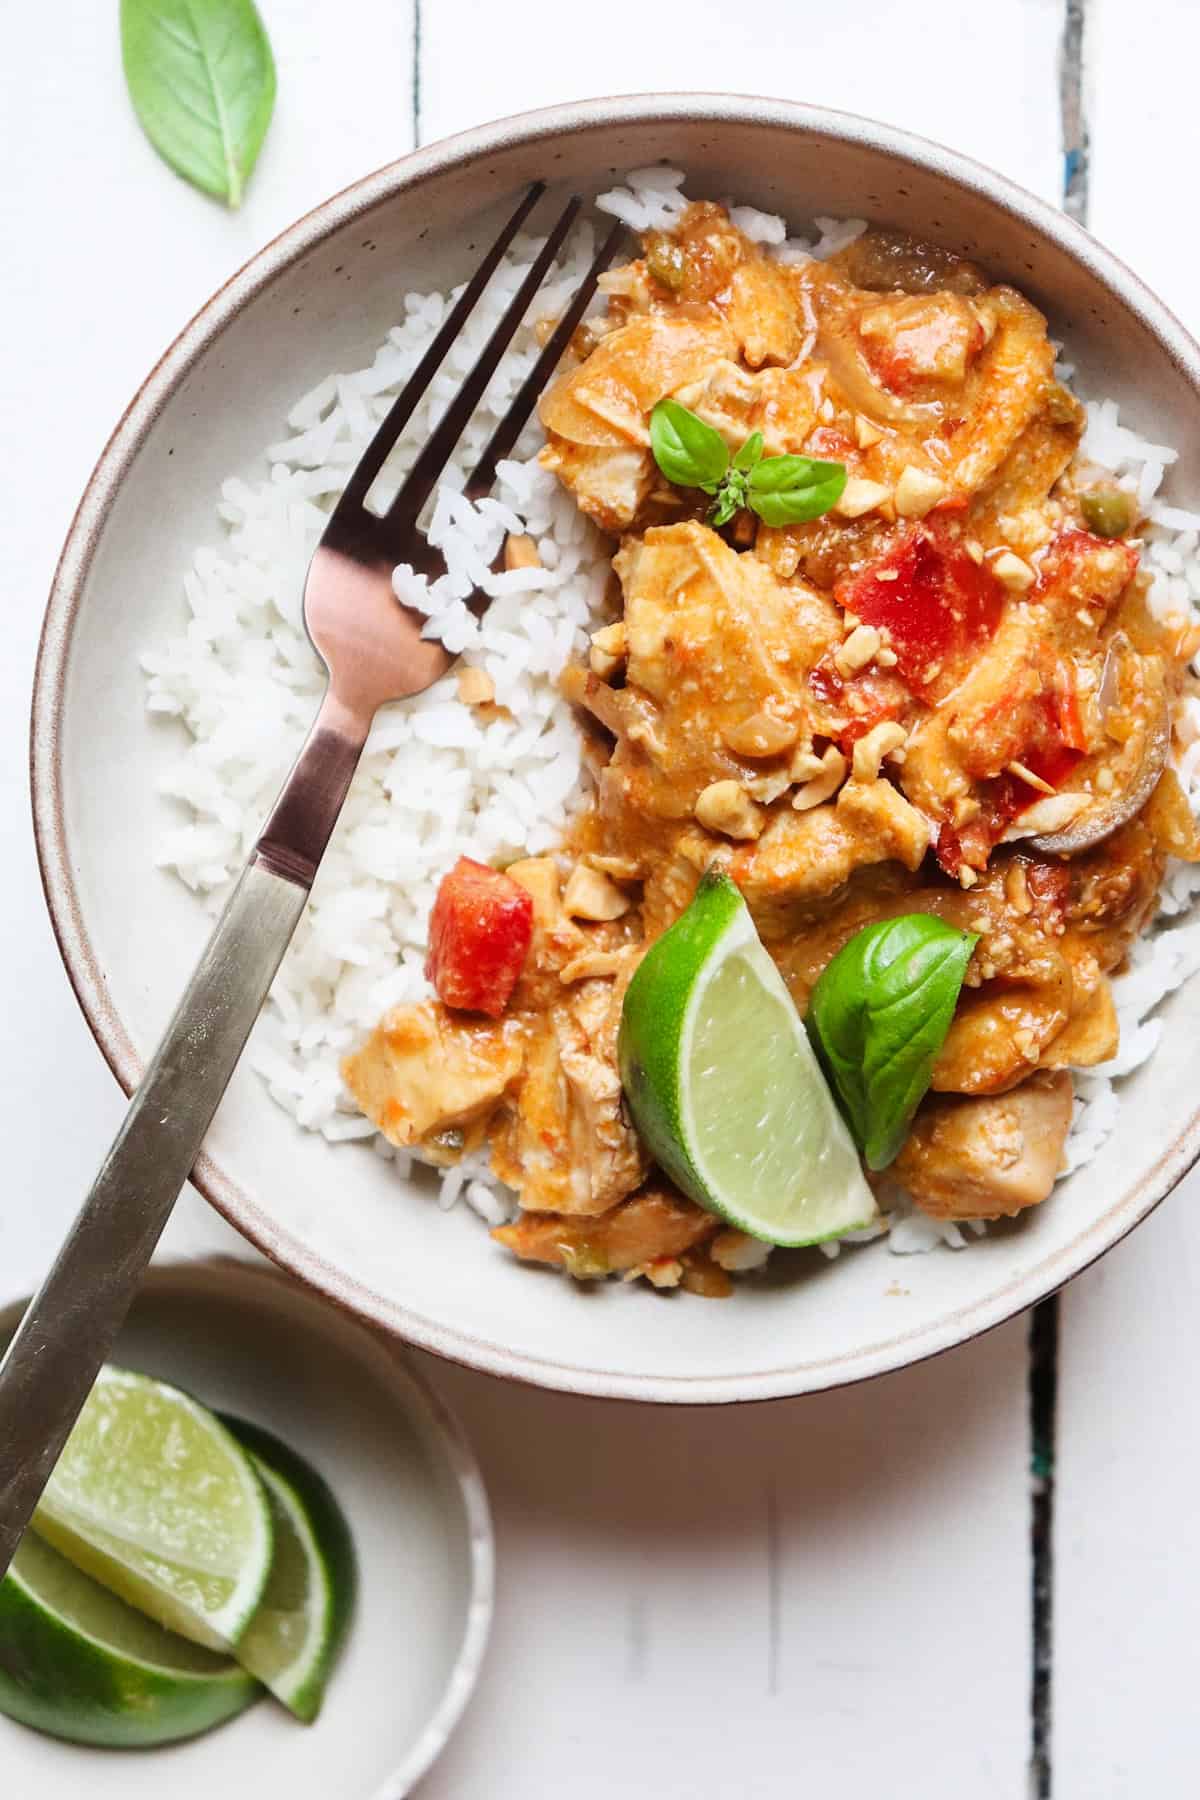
[942,693]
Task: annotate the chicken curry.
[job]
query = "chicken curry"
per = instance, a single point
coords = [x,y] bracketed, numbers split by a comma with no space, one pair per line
[944,694]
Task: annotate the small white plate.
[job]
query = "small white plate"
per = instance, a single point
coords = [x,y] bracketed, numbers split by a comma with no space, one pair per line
[250,1341]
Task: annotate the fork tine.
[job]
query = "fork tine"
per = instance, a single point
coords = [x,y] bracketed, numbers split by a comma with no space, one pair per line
[423,477]
[515,419]
[378,450]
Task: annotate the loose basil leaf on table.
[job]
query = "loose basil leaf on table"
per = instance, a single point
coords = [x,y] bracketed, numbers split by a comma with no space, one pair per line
[877,1018]
[688,451]
[202,80]
[788,490]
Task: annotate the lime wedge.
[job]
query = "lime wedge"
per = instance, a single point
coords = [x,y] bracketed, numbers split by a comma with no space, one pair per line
[78,1663]
[724,1086]
[155,1500]
[293,1638]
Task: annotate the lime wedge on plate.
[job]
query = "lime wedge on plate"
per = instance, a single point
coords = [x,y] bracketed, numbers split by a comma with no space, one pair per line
[293,1638]
[78,1663]
[724,1086]
[155,1500]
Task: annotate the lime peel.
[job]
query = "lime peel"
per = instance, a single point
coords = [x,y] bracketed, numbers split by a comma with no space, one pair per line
[83,1666]
[304,1613]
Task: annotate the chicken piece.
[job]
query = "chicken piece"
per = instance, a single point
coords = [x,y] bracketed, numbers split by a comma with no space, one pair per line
[763,313]
[921,342]
[653,1225]
[1035,462]
[988,1158]
[714,644]
[430,1077]
[804,856]
[712,263]
[999,1033]
[1013,381]
[778,402]
[566,1145]
[556,940]
[597,414]
[1090,1036]
[611,482]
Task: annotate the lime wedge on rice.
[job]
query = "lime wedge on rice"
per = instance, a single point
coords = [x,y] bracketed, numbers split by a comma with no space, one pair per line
[78,1663]
[156,1500]
[293,1638]
[724,1086]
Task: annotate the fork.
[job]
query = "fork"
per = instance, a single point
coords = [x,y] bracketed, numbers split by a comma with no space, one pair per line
[373,651]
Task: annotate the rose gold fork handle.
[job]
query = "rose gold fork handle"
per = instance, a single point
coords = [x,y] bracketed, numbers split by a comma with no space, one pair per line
[69,1327]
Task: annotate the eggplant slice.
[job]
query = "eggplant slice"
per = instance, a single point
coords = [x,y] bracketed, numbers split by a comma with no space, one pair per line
[1135,703]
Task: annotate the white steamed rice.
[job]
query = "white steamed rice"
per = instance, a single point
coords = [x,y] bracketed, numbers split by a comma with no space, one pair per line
[435,781]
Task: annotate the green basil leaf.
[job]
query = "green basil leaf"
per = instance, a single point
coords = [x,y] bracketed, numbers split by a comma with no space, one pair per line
[202,80]
[877,1018]
[750,453]
[787,490]
[689,452]
[727,502]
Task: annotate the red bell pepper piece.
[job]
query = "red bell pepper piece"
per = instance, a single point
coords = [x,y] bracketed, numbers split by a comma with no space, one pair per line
[479,935]
[936,604]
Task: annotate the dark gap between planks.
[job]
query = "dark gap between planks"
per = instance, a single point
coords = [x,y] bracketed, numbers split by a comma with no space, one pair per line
[1044,1325]
[416,73]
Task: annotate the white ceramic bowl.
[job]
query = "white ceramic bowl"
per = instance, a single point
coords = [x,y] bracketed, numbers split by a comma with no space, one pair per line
[245,1339]
[321,297]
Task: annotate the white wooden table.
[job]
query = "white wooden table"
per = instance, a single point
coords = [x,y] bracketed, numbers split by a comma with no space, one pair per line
[831,1596]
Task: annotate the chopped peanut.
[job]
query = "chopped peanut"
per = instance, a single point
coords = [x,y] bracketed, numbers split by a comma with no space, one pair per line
[866,435]
[860,648]
[591,895]
[475,687]
[1029,778]
[725,806]
[859,497]
[1050,814]
[521,553]
[592,963]
[882,740]
[1013,572]
[621,868]
[608,650]
[820,777]
[918,492]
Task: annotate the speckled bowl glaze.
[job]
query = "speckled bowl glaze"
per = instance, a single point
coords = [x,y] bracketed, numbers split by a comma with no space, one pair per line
[320,297]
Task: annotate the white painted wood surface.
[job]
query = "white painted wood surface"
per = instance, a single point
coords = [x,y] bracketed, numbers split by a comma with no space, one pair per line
[1128,1580]
[829,1594]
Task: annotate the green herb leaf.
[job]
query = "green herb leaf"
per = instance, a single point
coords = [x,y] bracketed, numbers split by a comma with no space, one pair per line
[878,1017]
[202,80]
[689,452]
[787,490]
[750,453]
[729,500]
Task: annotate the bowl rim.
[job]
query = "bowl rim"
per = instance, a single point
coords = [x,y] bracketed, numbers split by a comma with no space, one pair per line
[83,969]
[197,1278]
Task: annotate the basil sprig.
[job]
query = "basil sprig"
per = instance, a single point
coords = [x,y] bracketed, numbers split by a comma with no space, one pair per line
[782,490]
[877,1018]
